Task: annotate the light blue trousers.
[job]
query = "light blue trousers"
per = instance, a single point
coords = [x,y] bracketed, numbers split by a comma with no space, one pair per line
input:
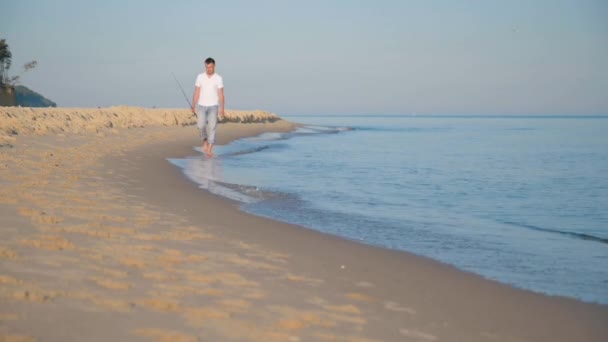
[207,122]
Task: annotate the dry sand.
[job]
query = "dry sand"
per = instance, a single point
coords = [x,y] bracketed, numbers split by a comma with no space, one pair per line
[103,239]
[16,121]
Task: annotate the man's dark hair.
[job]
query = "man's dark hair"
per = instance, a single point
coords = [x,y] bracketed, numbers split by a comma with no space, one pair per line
[209,61]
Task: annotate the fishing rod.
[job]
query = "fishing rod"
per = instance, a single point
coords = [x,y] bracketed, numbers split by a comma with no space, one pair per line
[185,96]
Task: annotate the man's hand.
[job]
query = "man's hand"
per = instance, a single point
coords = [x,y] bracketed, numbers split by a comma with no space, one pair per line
[220,94]
[195,96]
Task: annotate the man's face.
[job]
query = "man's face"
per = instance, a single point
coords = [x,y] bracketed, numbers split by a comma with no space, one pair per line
[210,68]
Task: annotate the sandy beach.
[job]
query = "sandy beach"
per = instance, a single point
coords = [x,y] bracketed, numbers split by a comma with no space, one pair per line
[103,239]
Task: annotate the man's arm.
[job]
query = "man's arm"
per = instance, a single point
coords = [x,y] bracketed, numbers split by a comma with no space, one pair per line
[197,92]
[220,92]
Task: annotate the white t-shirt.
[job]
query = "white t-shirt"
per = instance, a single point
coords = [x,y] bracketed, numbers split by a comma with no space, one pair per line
[210,85]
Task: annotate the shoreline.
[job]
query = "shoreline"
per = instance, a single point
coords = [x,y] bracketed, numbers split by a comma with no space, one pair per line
[244,201]
[330,249]
[123,239]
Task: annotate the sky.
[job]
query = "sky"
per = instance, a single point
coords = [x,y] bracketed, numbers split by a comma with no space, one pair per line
[470,57]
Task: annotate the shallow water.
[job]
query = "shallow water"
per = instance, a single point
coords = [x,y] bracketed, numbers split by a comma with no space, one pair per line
[520,200]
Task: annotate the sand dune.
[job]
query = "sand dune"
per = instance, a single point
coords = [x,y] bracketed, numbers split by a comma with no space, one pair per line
[41,121]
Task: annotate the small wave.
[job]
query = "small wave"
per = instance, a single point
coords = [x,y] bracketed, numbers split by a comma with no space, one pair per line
[303,130]
[306,130]
[269,137]
[344,129]
[245,194]
[582,236]
[252,193]
[246,151]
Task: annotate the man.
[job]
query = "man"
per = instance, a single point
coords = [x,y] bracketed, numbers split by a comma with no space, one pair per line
[208,102]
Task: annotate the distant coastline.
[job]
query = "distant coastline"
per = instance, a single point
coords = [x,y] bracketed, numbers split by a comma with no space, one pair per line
[23,96]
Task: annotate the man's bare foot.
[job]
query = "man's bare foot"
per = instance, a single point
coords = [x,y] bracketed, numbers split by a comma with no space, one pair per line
[205,146]
[209,150]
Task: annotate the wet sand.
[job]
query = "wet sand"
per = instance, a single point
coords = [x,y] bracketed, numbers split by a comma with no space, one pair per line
[103,239]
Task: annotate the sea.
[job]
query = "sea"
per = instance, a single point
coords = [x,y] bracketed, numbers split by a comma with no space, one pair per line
[520,200]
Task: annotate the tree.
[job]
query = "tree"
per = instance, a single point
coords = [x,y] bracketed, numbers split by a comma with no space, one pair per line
[27,66]
[5,61]
[5,64]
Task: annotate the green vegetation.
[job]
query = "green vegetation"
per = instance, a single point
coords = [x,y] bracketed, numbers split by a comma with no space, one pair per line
[12,94]
[5,61]
[29,98]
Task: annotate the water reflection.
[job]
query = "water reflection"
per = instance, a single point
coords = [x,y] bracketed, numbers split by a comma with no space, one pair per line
[207,173]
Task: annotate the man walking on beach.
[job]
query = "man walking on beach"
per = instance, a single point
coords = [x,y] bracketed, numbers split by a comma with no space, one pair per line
[208,102]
